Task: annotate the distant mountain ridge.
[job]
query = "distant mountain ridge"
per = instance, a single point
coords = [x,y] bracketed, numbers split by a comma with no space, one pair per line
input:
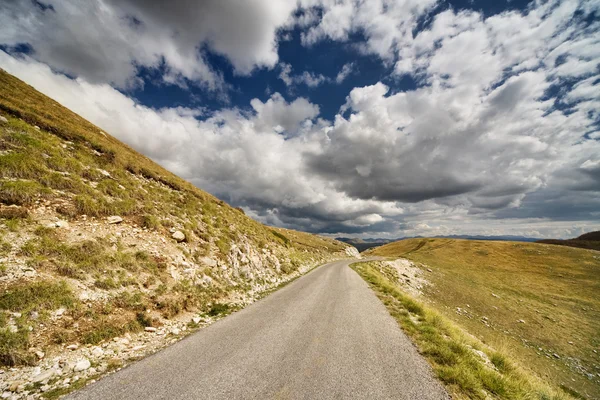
[367,243]
[590,240]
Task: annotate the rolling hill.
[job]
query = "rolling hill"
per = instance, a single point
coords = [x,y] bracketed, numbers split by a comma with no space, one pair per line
[98,242]
[590,240]
[539,303]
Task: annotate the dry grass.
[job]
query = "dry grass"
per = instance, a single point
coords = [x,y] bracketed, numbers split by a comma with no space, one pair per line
[468,368]
[553,290]
[51,157]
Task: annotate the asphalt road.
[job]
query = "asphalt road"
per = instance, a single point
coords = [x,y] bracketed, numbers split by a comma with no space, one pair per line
[324,336]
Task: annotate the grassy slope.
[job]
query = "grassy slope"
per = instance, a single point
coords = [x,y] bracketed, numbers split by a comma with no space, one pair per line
[53,161]
[468,368]
[555,290]
[90,148]
[590,240]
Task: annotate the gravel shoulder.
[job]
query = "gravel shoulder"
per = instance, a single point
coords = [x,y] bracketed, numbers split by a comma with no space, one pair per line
[324,336]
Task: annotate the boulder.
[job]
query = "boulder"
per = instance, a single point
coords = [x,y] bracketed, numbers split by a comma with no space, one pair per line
[178,236]
[114,219]
[97,352]
[82,365]
[41,377]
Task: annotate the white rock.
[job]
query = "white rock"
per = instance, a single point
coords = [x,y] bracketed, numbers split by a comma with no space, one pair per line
[178,236]
[196,320]
[37,128]
[6,395]
[40,354]
[97,352]
[82,365]
[72,347]
[59,312]
[104,173]
[114,219]
[44,375]
[150,329]
[175,331]
[61,224]
[521,321]
[3,119]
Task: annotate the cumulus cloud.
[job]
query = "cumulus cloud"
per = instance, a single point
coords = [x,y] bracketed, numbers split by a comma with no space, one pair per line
[508,131]
[106,41]
[251,159]
[307,78]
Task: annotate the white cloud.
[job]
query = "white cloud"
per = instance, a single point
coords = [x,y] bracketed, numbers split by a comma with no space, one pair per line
[105,41]
[478,142]
[346,70]
[243,157]
[307,78]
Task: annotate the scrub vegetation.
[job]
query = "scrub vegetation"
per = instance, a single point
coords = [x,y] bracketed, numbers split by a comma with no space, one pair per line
[97,240]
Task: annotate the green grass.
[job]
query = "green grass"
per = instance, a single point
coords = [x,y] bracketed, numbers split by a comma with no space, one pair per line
[24,298]
[554,289]
[450,351]
[69,166]
[40,295]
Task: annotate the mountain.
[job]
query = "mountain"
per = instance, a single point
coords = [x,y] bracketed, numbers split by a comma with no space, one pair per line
[99,242]
[590,240]
[368,243]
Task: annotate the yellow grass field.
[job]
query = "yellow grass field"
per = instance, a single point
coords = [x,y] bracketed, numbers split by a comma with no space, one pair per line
[538,303]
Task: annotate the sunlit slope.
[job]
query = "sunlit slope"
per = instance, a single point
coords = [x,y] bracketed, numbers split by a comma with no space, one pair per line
[540,302]
[92,228]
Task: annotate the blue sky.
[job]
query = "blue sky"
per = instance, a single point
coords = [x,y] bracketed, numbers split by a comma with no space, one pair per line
[325,58]
[365,118]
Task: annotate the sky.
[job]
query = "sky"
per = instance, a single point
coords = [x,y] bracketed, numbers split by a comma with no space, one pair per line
[373,118]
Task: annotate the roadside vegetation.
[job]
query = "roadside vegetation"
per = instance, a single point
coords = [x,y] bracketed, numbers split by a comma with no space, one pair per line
[468,368]
[538,304]
[97,240]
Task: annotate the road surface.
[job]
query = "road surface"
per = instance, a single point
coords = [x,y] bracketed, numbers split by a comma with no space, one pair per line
[324,336]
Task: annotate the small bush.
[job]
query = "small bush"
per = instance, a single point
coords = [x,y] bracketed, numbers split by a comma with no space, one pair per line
[22,193]
[13,212]
[150,222]
[281,237]
[106,283]
[218,308]
[13,348]
[105,328]
[43,295]
[143,319]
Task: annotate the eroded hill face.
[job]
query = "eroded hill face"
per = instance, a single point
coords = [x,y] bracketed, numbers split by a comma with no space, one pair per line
[97,241]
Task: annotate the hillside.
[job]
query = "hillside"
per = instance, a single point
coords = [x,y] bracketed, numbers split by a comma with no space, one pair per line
[590,240]
[538,303]
[99,243]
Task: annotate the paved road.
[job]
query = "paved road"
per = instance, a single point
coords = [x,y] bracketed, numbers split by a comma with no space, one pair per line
[324,336]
